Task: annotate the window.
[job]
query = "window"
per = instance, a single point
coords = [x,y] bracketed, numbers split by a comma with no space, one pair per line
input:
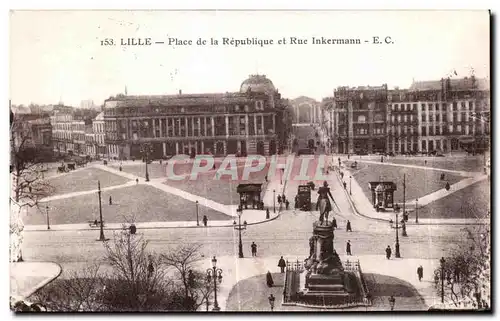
[431,106]
[463,104]
[393,107]
[431,118]
[455,117]
[405,118]
[424,131]
[361,119]
[414,106]
[423,107]
[436,107]
[399,118]
[471,105]
[431,131]
[463,118]
[411,117]
[455,106]
[423,117]
[408,106]
[459,128]
[393,118]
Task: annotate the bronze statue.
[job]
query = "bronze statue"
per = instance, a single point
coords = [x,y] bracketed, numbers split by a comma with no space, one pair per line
[323,204]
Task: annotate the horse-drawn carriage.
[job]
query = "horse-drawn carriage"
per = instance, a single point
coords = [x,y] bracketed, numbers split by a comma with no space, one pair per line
[303,198]
[62,169]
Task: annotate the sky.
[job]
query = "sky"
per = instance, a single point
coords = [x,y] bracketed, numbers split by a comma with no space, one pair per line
[57,55]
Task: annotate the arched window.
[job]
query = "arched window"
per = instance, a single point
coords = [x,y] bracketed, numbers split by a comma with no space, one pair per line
[361,119]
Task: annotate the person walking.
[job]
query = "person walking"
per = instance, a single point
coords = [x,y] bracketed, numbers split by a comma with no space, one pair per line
[420,273]
[282,264]
[254,249]
[110,200]
[348,227]
[334,222]
[137,181]
[287,204]
[348,248]
[205,220]
[279,199]
[267,213]
[388,252]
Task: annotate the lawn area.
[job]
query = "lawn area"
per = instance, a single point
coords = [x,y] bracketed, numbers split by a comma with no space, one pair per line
[466,163]
[243,295]
[139,203]
[84,180]
[419,182]
[221,190]
[471,202]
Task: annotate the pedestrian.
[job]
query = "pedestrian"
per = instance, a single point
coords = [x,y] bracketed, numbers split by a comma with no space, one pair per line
[447,186]
[265,178]
[282,265]
[348,226]
[137,181]
[296,205]
[420,273]
[110,200]
[287,204]
[339,161]
[267,213]
[348,248]
[334,222]
[345,185]
[205,220]
[269,279]
[254,249]
[388,252]
[381,159]
[279,199]
[160,161]
[121,168]
[283,198]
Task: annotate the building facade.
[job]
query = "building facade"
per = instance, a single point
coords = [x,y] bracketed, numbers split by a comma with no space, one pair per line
[99,136]
[359,118]
[431,116]
[62,132]
[250,121]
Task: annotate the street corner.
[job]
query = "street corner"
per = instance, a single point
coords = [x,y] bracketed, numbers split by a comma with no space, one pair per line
[28,277]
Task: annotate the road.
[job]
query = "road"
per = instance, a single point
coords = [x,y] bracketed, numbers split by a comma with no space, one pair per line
[288,236]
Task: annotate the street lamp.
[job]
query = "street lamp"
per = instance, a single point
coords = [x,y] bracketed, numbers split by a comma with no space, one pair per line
[392,302]
[416,211]
[48,224]
[271,299]
[146,150]
[442,261]
[239,228]
[101,236]
[274,201]
[350,184]
[396,210]
[197,217]
[281,177]
[216,274]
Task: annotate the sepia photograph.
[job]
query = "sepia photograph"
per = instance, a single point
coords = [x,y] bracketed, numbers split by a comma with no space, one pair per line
[212,161]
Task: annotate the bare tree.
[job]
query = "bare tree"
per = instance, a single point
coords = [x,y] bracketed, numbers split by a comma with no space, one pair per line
[465,275]
[78,292]
[138,282]
[194,289]
[28,184]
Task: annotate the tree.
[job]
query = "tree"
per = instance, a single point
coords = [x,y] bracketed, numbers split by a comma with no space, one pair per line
[467,280]
[194,289]
[79,292]
[137,283]
[28,184]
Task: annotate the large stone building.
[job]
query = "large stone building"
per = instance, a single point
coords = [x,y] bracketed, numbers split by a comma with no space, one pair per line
[250,121]
[431,116]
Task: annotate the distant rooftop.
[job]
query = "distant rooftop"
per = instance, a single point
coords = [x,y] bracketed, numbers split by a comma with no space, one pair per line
[467,83]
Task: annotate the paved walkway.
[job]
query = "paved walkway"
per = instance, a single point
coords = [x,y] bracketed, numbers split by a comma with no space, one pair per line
[27,277]
[462,173]
[248,215]
[363,207]
[235,270]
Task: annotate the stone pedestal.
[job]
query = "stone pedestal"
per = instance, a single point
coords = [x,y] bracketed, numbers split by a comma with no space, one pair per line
[324,274]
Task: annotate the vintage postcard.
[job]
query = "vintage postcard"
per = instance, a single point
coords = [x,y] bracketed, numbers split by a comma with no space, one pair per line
[270,161]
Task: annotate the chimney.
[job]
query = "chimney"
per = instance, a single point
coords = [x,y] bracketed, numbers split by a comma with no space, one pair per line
[180,91]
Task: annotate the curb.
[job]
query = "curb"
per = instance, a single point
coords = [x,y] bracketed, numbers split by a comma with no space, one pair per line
[42,284]
[357,212]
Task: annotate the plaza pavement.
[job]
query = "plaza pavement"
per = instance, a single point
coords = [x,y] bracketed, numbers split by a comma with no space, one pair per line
[363,207]
[235,270]
[28,277]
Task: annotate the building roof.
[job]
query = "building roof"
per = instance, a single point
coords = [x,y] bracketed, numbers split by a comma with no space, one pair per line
[100,116]
[245,188]
[178,100]
[467,83]
[257,83]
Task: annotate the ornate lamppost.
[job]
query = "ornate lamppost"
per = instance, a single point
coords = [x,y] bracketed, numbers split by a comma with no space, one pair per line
[146,149]
[396,210]
[197,216]
[239,228]
[48,223]
[416,211]
[274,201]
[350,184]
[216,274]
[271,299]
[101,223]
[442,261]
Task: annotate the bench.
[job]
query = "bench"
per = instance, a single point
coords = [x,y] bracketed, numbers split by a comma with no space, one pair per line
[93,223]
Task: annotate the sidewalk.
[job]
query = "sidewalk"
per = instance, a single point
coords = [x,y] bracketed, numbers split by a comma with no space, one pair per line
[235,270]
[28,277]
[362,206]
